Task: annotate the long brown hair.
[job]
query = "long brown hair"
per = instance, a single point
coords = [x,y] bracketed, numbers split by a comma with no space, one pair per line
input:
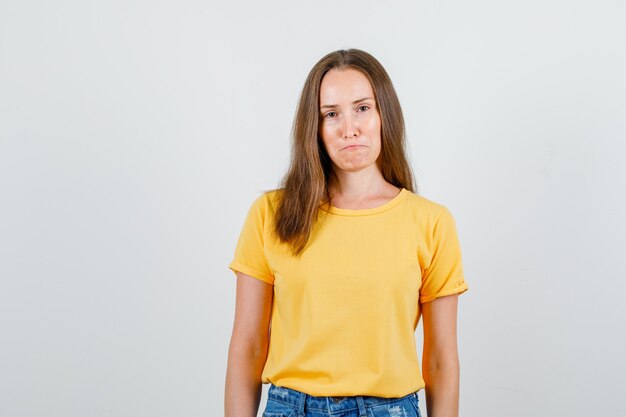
[305,185]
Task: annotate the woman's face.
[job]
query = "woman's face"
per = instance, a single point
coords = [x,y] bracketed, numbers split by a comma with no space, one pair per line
[350,123]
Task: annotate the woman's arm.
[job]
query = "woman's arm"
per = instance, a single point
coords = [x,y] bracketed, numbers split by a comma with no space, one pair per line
[440,362]
[249,342]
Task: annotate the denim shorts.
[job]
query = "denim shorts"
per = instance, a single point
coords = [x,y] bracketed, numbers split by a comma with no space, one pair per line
[287,402]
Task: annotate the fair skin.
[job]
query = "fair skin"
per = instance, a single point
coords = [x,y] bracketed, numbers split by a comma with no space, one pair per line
[440,361]
[350,128]
[350,117]
[249,342]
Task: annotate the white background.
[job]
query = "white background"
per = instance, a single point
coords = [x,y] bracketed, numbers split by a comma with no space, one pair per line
[135,135]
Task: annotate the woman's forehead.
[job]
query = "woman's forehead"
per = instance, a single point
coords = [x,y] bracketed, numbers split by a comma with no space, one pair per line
[344,85]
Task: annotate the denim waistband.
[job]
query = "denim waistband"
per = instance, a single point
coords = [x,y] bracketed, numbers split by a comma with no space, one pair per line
[331,404]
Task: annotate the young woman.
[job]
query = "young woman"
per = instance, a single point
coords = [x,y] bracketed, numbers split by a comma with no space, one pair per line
[335,268]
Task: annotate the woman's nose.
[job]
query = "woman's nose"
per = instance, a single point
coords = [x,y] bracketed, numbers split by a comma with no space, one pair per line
[349,127]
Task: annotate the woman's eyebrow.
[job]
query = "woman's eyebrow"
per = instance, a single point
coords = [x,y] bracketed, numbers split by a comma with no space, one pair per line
[354,102]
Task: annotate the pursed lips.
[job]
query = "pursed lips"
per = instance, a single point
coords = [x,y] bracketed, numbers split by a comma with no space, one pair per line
[352,146]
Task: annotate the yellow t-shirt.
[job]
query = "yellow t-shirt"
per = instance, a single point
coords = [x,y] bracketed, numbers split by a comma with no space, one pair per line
[344,314]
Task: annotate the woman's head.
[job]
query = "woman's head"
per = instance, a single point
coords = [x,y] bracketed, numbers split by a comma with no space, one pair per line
[309,123]
[312,168]
[350,125]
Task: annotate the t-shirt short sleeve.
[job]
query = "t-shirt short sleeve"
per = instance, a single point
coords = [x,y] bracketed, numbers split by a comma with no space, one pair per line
[444,273]
[249,255]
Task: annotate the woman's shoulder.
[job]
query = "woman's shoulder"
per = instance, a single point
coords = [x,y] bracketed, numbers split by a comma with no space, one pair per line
[267,200]
[425,205]
[432,215]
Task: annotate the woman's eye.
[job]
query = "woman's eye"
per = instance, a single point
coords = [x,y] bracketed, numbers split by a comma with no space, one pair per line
[330,114]
[364,106]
